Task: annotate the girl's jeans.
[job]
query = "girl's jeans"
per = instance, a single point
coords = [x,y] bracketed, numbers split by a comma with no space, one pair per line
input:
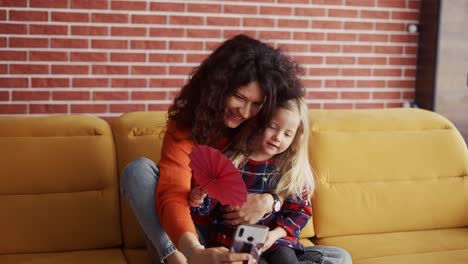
[137,185]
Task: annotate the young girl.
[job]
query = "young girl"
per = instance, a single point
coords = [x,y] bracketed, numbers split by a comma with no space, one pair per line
[278,164]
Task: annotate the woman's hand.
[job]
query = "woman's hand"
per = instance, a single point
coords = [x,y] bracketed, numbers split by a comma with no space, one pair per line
[257,205]
[196,197]
[217,255]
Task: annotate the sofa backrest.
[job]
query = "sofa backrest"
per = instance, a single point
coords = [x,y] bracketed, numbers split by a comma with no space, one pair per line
[387,170]
[58,184]
[136,134]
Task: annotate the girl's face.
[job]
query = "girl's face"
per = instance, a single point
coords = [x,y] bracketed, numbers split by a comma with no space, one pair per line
[244,104]
[279,134]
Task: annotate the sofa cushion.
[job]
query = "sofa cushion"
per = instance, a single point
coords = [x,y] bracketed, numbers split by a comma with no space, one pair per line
[105,256]
[387,170]
[428,246]
[136,134]
[137,256]
[58,184]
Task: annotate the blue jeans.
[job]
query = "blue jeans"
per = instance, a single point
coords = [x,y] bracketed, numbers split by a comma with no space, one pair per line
[137,185]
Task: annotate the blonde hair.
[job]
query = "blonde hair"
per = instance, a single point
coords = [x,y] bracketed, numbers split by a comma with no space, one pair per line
[295,175]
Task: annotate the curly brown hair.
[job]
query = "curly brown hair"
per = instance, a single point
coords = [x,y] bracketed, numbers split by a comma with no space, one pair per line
[238,61]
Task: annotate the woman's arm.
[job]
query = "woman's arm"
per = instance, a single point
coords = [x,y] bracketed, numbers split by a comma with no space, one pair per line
[257,205]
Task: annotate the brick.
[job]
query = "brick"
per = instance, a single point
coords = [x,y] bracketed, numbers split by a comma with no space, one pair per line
[325,24]
[322,95]
[355,95]
[109,69]
[70,69]
[293,23]
[369,105]
[90,82]
[109,18]
[3,42]
[340,60]
[375,14]
[30,96]
[90,31]
[324,48]
[342,13]
[48,30]
[239,9]
[9,82]
[387,72]
[401,84]
[69,17]
[308,59]
[314,106]
[223,21]
[109,44]
[410,73]
[359,25]
[229,33]
[337,106]
[48,3]
[276,10]
[194,58]
[180,70]
[414,4]
[7,28]
[323,71]
[50,83]
[341,37]
[2,14]
[309,12]
[4,96]
[176,7]
[390,26]
[130,57]
[393,105]
[28,15]
[3,69]
[29,69]
[88,108]
[168,57]
[166,83]
[356,72]
[69,43]
[167,32]
[110,96]
[203,8]
[360,2]
[128,83]
[88,56]
[28,42]
[258,22]
[185,45]
[308,36]
[149,19]
[411,50]
[148,44]
[185,20]
[386,95]
[124,108]
[70,96]
[373,37]
[404,38]
[293,1]
[158,107]
[293,47]
[403,61]
[371,83]
[339,83]
[388,49]
[268,35]
[408,95]
[89,4]
[149,95]
[203,33]
[13,3]
[129,31]
[128,5]
[48,108]
[148,70]
[372,60]
[12,55]
[357,48]
[391,3]
[13,108]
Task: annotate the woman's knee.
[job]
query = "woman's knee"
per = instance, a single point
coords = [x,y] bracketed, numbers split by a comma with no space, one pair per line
[139,170]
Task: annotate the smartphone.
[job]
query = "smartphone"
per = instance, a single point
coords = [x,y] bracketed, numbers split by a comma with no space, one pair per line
[250,239]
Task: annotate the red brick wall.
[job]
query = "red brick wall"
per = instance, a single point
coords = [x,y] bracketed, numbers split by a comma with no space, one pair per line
[106,57]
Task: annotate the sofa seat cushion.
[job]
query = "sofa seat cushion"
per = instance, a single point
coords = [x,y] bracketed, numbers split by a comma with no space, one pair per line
[103,256]
[430,246]
[137,256]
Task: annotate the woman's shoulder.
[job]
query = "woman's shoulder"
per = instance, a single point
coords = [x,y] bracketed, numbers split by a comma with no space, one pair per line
[177,133]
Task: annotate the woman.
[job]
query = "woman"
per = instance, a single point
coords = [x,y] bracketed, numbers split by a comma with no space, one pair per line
[243,78]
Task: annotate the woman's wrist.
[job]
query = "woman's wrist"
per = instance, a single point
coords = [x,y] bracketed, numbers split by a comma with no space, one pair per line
[188,243]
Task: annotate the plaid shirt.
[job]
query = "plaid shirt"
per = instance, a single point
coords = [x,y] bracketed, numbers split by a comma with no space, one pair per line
[259,178]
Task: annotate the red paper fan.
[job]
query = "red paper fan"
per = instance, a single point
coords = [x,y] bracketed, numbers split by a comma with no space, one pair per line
[216,174]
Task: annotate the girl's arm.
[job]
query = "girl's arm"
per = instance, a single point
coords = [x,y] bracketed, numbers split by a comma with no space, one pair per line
[294,215]
[274,235]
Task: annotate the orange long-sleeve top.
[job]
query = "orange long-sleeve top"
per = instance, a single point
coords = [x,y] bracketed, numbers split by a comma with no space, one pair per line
[174,183]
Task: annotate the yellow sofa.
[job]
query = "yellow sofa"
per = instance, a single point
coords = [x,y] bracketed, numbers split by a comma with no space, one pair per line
[391,186]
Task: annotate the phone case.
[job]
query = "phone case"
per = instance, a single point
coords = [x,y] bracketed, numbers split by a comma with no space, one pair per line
[250,239]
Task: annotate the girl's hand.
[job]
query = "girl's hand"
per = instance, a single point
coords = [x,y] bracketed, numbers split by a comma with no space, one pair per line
[217,255]
[257,205]
[272,236]
[196,197]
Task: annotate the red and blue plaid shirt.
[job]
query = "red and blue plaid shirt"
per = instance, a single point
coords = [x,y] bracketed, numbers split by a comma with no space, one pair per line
[260,177]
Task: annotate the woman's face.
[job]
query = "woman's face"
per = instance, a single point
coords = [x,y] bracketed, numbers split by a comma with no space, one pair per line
[245,103]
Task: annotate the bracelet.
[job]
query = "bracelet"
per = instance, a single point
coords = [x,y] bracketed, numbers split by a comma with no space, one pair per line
[189,251]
